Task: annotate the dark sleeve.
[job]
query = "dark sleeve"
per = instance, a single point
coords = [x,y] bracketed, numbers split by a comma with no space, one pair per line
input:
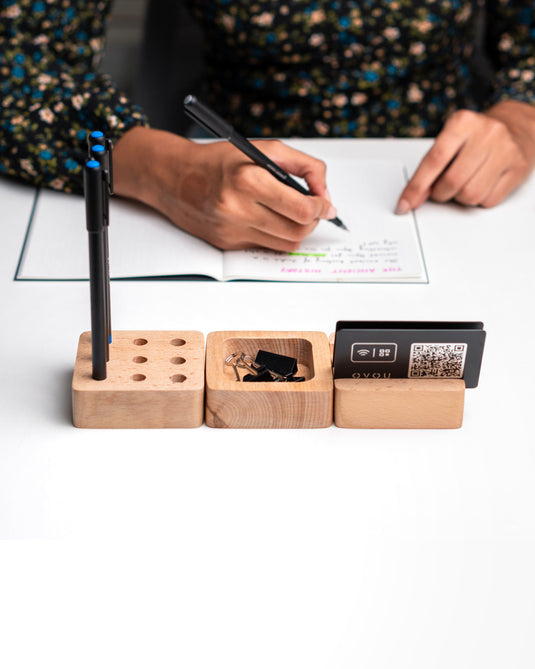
[510,43]
[51,94]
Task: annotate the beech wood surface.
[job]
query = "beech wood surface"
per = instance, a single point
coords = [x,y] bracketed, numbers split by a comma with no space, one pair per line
[230,403]
[399,403]
[155,379]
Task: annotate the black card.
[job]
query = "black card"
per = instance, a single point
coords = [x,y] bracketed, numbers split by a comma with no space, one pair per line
[409,349]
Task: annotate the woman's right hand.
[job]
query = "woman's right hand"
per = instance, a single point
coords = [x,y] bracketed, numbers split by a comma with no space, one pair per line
[216,193]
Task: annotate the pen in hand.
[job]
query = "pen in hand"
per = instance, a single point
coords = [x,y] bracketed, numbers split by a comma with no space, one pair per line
[214,124]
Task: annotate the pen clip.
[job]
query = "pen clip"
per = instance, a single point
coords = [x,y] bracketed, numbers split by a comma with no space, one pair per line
[109,150]
[94,196]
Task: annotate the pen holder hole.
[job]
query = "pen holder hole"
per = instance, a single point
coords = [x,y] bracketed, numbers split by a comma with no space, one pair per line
[138,377]
[177,342]
[178,361]
[140,359]
[178,378]
[140,341]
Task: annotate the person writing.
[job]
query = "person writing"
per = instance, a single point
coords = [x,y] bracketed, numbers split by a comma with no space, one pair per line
[292,68]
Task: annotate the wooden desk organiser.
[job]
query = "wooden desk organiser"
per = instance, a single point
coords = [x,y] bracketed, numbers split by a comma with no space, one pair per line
[154,379]
[399,403]
[234,404]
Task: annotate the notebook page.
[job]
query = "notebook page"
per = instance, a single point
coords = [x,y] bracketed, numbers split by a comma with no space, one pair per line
[142,242]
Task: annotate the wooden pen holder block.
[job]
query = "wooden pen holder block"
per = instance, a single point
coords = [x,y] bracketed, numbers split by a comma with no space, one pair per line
[234,404]
[154,379]
[399,403]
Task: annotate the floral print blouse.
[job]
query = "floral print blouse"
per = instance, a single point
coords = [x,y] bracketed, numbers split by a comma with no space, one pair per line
[362,68]
[51,93]
[279,68]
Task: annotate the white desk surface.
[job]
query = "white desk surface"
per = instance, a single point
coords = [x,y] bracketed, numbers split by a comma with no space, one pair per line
[313,548]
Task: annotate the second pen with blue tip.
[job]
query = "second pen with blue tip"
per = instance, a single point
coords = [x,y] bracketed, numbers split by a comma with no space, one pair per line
[100,150]
[94,207]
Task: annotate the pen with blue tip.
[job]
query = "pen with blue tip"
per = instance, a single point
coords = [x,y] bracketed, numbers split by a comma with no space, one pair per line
[206,118]
[100,149]
[97,137]
[94,208]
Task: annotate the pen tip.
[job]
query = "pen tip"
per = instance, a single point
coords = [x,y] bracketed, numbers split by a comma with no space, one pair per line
[339,223]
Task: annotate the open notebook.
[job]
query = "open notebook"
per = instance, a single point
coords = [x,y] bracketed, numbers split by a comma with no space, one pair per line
[380,247]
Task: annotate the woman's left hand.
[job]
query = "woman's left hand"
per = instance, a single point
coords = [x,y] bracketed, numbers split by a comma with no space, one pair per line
[477,158]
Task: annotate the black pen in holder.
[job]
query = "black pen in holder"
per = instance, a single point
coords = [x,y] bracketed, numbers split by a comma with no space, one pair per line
[102,153]
[94,207]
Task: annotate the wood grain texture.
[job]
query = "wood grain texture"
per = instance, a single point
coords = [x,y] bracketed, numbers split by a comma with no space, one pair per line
[233,404]
[399,403]
[155,379]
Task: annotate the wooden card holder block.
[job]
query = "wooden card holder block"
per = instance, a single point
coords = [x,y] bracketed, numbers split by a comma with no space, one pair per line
[233,404]
[155,379]
[399,403]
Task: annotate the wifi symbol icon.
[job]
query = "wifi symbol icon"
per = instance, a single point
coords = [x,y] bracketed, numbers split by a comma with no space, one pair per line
[363,352]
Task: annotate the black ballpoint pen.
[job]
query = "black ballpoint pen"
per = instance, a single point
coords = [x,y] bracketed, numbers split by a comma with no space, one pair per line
[94,208]
[210,121]
[98,151]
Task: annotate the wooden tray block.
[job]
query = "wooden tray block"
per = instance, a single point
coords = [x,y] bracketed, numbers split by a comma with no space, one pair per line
[154,379]
[234,404]
[399,403]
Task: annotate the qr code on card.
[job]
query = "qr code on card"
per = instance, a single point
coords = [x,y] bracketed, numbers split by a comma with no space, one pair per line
[437,361]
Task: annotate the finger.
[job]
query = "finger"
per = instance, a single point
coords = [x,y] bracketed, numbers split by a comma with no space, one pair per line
[299,164]
[506,184]
[262,238]
[260,186]
[437,159]
[470,169]
[268,222]
[480,185]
